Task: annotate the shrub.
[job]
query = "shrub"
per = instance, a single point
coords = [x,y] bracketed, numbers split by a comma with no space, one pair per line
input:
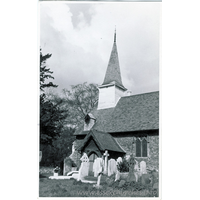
[116,184]
[123,166]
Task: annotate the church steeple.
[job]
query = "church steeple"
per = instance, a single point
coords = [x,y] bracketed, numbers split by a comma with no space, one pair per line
[115,36]
[112,88]
[113,74]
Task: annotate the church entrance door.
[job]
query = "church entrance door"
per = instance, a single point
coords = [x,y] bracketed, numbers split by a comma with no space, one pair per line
[92,157]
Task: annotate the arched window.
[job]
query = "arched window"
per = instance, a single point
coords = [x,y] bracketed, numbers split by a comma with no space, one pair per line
[138,147]
[141,147]
[144,147]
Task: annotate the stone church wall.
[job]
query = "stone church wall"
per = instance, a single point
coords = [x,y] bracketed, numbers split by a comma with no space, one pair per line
[128,145]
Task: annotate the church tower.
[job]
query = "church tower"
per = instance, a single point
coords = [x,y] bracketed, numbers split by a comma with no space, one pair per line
[112,88]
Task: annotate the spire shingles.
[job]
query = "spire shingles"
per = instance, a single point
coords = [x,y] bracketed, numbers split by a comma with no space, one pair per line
[113,73]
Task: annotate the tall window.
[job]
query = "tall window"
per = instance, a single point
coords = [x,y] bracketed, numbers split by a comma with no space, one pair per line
[141,147]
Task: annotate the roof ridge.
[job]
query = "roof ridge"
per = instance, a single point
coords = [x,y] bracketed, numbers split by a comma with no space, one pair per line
[140,94]
[112,138]
[118,144]
[99,131]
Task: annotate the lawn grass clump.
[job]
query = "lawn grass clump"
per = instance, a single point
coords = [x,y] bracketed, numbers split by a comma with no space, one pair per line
[74,188]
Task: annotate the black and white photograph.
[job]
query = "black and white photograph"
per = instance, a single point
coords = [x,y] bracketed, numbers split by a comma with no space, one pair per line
[99,99]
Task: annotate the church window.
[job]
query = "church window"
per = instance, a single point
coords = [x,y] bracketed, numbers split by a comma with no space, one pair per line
[144,147]
[141,147]
[138,147]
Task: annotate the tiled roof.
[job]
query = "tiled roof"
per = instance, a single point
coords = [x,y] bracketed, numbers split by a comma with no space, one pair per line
[132,113]
[104,141]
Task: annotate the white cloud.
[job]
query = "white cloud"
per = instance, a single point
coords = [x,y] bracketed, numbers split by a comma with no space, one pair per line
[81,53]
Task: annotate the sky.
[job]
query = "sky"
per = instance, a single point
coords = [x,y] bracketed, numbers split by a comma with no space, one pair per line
[80,38]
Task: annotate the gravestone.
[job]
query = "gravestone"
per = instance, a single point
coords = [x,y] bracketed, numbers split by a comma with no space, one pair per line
[98,168]
[112,167]
[67,166]
[117,175]
[136,168]
[119,159]
[84,168]
[137,171]
[131,174]
[143,169]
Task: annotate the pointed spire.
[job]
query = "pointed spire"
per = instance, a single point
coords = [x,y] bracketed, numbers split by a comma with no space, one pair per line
[115,35]
[113,73]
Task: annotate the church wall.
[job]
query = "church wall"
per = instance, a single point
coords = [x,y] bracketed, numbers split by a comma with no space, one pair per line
[126,143]
[152,161]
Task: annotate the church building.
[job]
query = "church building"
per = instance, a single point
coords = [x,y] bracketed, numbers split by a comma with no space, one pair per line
[122,124]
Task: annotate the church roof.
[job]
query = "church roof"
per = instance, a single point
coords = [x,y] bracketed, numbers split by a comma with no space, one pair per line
[104,141]
[113,74]
[132,113]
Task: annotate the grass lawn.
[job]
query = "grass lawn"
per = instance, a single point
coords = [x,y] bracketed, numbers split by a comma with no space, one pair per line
[72,188]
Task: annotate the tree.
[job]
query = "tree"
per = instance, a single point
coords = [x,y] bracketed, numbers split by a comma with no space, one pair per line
[45,72]
[80,100]
[51,115]
[52,120]
[60,115]
[77,102]
[60,148]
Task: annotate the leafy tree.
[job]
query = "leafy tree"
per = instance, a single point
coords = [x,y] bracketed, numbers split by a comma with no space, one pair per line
[45,72]
[80,100]
[60,115]
[77,102]
[61,148]
[52,119]
[51,115]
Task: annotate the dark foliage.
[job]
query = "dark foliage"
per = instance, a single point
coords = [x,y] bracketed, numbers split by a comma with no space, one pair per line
[123,166]
[45,72]
[51,120]
[52,116]
[59,116]
[61,148]
[80,100]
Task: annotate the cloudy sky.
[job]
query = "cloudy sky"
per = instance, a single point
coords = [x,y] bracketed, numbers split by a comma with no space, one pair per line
[80,37]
